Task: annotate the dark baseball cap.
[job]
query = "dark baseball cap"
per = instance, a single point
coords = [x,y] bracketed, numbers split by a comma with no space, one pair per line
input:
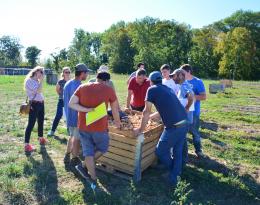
[81,67]
[155,76]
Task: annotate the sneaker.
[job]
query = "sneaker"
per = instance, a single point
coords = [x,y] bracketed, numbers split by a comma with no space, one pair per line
[200,155]
[83,171]
[50,133]
[66,158]
[29,148]
[93,184]
[75,161]
[42,140]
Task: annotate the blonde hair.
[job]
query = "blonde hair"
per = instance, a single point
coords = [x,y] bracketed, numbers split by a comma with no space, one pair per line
[64,69]
[32,73]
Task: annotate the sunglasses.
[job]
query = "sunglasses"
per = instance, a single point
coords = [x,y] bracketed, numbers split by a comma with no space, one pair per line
[67,72]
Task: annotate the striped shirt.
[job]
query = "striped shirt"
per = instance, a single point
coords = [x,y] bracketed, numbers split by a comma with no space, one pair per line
[31,87]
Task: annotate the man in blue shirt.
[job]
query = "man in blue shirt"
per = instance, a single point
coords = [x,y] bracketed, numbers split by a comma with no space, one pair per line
[200,94]
[73,146]
[174,118]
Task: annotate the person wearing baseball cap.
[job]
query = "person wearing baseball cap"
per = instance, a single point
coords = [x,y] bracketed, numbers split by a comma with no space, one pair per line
[73,146]
[103,69]
[174,118]
[94,137]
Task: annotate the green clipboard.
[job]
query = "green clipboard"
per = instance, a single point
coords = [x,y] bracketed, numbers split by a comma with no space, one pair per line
[99,112]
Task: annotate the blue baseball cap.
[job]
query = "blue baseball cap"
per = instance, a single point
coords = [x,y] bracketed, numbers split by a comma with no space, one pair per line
[155,76]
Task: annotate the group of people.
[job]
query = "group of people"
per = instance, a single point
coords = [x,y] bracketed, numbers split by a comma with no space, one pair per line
[176,97]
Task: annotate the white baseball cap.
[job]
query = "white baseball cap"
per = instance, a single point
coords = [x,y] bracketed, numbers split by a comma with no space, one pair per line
[103,68]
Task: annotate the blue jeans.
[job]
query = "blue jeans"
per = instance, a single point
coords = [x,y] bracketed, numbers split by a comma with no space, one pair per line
[58,115]
[194,130]
[92,142]
[36,113]
[174,139]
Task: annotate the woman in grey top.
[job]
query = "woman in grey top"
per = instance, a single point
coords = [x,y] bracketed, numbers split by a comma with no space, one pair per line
[65,76]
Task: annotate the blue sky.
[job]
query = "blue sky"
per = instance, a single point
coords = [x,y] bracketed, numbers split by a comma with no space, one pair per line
[49,24]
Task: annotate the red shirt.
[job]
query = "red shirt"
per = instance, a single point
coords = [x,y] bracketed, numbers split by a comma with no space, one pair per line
[139,92]
[92,95]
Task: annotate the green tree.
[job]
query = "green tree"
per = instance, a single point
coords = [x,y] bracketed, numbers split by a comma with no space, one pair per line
[32,53]
[158,42]
[249,20]
[10,51]
[85,48]
[202,55]
[116,45]
[238,53]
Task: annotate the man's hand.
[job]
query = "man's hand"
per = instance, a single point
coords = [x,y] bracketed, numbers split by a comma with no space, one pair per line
[127,110]
[41,77]
[89,109]
[137,131]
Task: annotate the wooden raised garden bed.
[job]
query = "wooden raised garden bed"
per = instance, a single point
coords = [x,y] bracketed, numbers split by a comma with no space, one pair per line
[129,154]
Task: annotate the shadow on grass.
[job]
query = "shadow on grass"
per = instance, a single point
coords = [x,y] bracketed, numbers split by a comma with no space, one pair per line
[61,140]
[209,125]
[45,181]
[227,184]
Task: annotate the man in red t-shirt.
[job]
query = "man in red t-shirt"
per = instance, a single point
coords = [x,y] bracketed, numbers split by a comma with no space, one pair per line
[94,137]
[137,91]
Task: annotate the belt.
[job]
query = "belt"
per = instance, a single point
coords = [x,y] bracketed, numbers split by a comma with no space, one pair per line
[180,124]
[35,101]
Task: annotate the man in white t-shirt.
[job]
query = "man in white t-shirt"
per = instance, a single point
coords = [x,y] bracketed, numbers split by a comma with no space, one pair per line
[165,70]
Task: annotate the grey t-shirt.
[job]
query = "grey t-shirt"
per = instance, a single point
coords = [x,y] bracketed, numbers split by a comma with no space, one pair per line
[61,83]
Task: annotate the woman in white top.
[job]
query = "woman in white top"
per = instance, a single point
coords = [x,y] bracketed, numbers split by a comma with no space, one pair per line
[33,88]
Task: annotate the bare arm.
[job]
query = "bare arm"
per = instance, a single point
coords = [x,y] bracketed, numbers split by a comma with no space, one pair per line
[58,89]
[74,104]
[129,95]
[114,107]
[155,116]
[201,96]
[190,101]
[146,116]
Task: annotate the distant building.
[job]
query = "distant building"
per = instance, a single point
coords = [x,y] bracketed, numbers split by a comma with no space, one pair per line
[19,71]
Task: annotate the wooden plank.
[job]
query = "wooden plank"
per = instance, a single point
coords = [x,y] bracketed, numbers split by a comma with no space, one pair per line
[116,165]
[126,133]
[227,83]
[115,173]
[122,138]
[119,158]
[148,152]
[121,145]
[153,135]
[149,145]
[155,130]
[148,164]
[148,159]
[138,157]
[121,152]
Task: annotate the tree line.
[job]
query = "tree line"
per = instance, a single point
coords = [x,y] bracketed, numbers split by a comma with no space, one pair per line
[228,48]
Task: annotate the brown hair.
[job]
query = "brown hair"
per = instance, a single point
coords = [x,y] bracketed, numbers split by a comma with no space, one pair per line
[187,68]
[32,73]
[165,66]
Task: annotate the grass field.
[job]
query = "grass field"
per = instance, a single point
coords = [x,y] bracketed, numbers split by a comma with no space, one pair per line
[229,175]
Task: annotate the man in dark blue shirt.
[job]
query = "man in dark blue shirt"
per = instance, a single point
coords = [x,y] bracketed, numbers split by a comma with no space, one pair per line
[174,118]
